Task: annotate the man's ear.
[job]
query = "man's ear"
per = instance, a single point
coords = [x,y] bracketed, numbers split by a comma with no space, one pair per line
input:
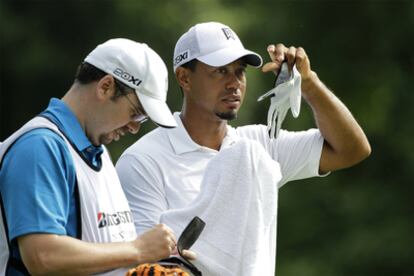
[105,87]
[183,78]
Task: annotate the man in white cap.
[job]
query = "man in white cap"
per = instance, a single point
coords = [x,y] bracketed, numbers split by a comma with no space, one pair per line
[62,207]
[165,168]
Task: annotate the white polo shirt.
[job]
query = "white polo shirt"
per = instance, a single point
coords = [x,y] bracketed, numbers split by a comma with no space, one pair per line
[164,169]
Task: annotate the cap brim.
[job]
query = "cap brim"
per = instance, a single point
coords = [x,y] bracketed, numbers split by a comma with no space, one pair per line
[157,110]
[228,55]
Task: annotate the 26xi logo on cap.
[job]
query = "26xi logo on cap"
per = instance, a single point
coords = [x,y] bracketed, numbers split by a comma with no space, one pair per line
[180,57]
[126,76]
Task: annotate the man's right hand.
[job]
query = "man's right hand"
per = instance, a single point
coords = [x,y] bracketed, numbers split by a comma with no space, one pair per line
[155,244]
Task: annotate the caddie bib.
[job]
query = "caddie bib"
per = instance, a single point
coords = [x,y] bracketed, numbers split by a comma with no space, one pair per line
[105,213]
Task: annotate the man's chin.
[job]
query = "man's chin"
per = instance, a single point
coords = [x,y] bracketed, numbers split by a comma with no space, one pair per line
[105,140]
[228,116]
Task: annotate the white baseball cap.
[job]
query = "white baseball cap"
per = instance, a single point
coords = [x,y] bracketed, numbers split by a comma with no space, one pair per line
[141,68]
[214,44]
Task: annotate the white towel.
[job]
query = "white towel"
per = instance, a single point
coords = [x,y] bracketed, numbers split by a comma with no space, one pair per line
[238,203]
[285,95]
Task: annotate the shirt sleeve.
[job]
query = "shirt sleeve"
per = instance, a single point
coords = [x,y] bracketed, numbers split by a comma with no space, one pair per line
[144,191]
[37,180]
[298,152]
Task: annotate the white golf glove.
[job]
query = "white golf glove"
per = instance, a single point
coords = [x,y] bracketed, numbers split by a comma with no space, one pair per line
[286,94]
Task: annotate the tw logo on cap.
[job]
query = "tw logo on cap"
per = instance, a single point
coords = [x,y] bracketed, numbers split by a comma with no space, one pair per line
[228,33]
[126,76]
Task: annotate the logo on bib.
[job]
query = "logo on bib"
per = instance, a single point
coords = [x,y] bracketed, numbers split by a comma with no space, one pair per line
[117,218]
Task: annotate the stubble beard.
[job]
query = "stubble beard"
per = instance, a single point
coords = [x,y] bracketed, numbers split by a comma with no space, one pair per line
[231,115]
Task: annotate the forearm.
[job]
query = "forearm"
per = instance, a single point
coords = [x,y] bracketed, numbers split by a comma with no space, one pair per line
[345,141]
[47,254]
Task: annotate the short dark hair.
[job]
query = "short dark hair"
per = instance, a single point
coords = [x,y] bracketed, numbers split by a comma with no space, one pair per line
[87,73]
[191,64]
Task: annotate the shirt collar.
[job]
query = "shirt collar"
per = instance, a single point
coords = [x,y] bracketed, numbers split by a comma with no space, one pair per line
[61,115]
[182,142]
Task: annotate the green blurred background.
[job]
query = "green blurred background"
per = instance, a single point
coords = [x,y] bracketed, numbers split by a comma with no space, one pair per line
[358,221]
